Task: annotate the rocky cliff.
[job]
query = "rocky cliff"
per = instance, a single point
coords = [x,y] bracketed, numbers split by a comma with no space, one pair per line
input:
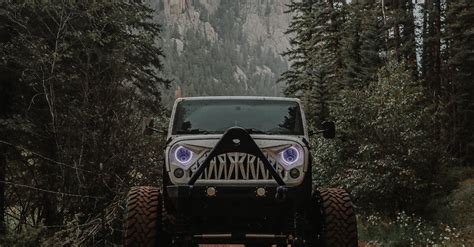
[224,47]
[263,20]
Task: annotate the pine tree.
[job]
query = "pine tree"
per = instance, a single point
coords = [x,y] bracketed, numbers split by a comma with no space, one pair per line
[459,86]
[298,53]
[84,74]
[357,64]
[316,55]
[363,44]
[431,56]
[401,27]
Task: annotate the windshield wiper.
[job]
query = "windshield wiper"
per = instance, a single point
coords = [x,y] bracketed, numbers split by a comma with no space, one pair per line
[193,131]
[257,131]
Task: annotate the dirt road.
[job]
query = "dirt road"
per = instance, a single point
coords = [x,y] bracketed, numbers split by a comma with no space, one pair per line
[361,244]
[222,245]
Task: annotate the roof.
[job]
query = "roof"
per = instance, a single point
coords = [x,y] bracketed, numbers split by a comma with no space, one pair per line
[238,98]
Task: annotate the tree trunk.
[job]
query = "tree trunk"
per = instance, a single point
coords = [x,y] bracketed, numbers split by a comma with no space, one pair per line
[3,168]
[432,46]
[50,201]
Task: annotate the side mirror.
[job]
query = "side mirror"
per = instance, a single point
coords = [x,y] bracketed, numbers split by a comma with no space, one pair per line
[329,129]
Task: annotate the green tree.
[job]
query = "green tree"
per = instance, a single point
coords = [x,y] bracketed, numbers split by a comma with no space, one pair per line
[315,54]
[458,127]
[401,36]
[86,74]
[431,56]
[363,44]
[384,148]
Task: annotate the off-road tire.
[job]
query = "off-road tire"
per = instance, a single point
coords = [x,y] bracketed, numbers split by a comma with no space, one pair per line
[143,217]
[338,226]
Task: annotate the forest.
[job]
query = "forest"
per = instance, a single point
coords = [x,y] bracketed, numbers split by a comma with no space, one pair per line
[397,79]
[79,79]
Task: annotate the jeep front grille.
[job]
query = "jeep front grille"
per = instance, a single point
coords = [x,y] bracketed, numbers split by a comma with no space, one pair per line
[236,167]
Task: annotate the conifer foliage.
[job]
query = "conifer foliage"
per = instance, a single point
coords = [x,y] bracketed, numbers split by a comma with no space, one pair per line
[316,53]
[397,78]
[458,79]
[77,78]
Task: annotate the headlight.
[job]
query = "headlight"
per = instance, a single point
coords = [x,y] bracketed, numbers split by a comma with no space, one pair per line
[183,155]
[290,155]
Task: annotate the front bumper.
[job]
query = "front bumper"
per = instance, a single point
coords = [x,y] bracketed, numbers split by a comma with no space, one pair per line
[234,200]
[238,214]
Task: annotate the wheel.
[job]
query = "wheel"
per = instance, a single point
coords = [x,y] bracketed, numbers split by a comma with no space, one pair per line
[143,217]
[338,226]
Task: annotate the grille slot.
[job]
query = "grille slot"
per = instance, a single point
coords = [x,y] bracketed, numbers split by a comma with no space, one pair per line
[237,167]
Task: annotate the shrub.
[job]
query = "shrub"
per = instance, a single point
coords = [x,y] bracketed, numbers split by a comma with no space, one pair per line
[407,230]
[384,153]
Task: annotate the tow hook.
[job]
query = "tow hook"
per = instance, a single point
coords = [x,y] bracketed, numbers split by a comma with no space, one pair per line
[280,195]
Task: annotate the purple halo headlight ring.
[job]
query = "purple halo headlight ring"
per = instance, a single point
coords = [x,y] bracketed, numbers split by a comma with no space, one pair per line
[183,155]
[290,155]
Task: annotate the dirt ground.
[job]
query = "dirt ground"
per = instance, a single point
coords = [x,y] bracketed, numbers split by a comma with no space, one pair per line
[361,244]
[222,245]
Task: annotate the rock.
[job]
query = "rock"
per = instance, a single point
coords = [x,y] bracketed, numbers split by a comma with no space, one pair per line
[248,40]
[210,5]
[263,71]
[210,33]
[264,22]
[239,75]
[179,46]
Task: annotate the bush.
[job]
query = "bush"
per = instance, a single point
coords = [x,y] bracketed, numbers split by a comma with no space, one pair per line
[384,153]
[406,230]
[457,208]
[28,237]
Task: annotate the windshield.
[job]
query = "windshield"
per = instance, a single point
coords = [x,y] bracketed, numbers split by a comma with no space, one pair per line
[256,116]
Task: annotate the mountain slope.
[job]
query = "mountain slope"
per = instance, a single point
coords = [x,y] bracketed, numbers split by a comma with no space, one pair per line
[224,47]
